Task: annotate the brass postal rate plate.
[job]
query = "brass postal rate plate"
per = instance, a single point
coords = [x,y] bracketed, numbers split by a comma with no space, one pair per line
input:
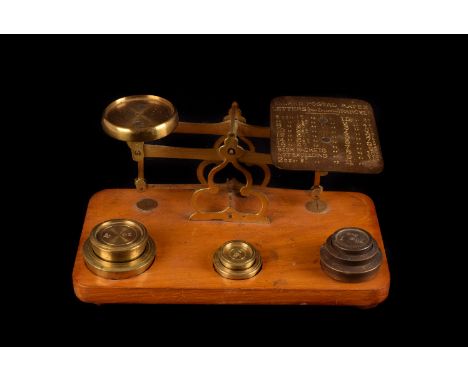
[324,134]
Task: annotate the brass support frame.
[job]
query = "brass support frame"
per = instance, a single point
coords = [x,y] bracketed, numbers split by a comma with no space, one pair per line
[259,158]
[226,150]
[207,156]
[138,155]
[230,152]
[317,205]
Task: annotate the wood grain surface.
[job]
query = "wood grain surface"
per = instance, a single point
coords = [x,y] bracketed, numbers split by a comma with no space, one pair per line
[183,273]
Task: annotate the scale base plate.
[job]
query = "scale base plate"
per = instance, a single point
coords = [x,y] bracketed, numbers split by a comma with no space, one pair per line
[183,271]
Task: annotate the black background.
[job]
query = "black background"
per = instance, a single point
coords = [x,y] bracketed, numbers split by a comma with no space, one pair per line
[54,91]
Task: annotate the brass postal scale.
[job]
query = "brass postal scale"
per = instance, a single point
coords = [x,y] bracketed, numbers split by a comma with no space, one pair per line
[238,242]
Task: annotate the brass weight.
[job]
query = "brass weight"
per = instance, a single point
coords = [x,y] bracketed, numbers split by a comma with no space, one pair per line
[119,240]
[350,254]
[237,260]
[119,248]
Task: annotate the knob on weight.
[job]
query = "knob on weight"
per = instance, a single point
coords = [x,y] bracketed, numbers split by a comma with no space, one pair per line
[140,118]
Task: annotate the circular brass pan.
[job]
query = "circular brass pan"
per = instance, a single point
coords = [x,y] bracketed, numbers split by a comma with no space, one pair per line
[140,118]
[119,240]
[237,260]
[120,270]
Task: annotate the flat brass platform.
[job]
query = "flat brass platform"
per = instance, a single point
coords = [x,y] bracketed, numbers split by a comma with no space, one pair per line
[324,134]
[184,273]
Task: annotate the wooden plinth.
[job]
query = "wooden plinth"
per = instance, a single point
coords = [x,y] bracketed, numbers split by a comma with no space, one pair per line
[183,271]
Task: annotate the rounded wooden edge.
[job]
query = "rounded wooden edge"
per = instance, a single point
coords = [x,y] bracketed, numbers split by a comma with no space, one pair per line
[83,292]
[96,296]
